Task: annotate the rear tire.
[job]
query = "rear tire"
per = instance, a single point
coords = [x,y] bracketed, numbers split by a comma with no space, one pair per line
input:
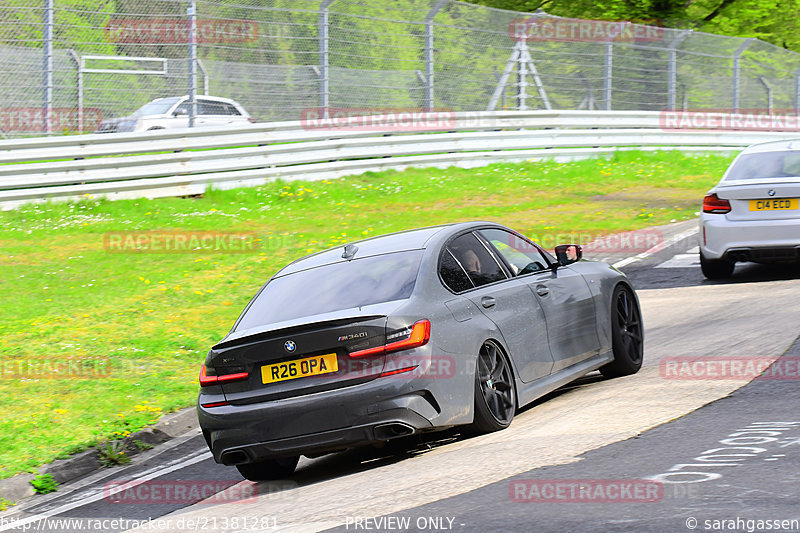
[495,391]
[627,341]
[716,268]
[269,469]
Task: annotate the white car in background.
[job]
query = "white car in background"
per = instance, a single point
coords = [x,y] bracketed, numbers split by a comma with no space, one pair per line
[169,113]
[752,214]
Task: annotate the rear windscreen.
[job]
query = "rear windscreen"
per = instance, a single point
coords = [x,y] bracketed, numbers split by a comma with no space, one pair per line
[765,165]
[334,287]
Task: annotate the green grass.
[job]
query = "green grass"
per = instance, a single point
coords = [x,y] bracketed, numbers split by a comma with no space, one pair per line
[142,322]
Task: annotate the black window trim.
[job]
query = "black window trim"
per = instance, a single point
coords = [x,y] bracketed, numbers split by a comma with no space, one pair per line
[446,248]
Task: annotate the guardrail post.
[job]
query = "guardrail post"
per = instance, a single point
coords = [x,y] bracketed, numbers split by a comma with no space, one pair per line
[324,58]
[736,68]
[429,53]
[47,104]
[609,64]
[673,68]
[191,12]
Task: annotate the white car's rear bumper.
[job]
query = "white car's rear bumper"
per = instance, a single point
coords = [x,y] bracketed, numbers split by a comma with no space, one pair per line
[756,240]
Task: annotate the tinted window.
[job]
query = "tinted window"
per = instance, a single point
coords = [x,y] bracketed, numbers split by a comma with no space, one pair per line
[452,274]
[205,107]
[334,287]
[523,256]
[476,260]
[766,165]
[231,110]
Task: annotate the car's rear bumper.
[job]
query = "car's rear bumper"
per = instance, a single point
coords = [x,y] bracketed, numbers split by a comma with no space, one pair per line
[759,241]
[316,424]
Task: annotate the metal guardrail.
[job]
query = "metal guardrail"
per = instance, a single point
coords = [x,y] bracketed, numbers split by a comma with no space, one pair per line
[186,162]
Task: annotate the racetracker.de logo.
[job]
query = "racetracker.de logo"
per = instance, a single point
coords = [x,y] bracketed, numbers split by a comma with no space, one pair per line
[182,492]
[585,491]
[180,242]
[366,119]
[745,119]
[163,30]
[31,119]
[538,28]
[730,368]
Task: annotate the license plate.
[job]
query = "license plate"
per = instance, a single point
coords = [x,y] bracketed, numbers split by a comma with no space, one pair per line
[299,368]
[774,204]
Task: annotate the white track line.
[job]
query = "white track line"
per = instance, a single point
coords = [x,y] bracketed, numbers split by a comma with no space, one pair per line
[657,248]
[147,475]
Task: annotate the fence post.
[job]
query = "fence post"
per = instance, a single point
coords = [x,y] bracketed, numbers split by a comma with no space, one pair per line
[609,64]
[797,91]
[79,65]
[736,68]
[47,104]
[673,68]
[324,58]
[191,12]
[429,54]
[763,81]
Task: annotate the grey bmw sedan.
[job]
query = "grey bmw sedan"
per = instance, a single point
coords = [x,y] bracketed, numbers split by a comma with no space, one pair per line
[416,331]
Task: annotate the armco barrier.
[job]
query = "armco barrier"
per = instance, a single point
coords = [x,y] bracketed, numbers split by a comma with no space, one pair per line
[186,162]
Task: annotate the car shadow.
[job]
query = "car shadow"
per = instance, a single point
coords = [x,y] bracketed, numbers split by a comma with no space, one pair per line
[353,461]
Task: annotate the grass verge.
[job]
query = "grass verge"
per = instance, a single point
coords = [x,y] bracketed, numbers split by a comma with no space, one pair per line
[98,343]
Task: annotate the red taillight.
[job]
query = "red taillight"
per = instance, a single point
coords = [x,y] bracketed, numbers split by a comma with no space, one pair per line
[398,371]
[713,204]
[419,336]
[251,120]
[215,404]
[206,380]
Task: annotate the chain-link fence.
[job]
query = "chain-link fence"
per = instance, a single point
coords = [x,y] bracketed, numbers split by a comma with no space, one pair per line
[64,64]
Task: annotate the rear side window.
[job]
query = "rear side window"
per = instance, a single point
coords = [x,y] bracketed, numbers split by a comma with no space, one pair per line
[334,287]
[231,110]
[453,275]
[476,260]
[206,107]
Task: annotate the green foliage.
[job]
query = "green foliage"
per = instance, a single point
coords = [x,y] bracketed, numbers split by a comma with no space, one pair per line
[44,484]
[113,453]
[5,504]
[141,445]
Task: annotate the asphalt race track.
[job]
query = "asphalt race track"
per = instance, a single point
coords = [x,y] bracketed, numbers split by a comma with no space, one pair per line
[601,443]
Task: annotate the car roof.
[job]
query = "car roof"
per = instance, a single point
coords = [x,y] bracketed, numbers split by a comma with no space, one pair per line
[773,146]
[413,239]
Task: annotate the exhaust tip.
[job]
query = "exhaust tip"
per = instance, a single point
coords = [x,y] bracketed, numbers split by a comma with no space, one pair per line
[236,457]
[392,430]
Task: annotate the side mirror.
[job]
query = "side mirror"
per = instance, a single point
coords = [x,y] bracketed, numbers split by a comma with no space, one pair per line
[568,254]
[180,113]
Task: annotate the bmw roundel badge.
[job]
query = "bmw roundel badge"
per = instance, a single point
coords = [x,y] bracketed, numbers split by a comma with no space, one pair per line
[290,346]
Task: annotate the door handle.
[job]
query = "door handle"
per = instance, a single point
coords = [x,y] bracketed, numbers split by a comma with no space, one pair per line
[487,302]
[541,290]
